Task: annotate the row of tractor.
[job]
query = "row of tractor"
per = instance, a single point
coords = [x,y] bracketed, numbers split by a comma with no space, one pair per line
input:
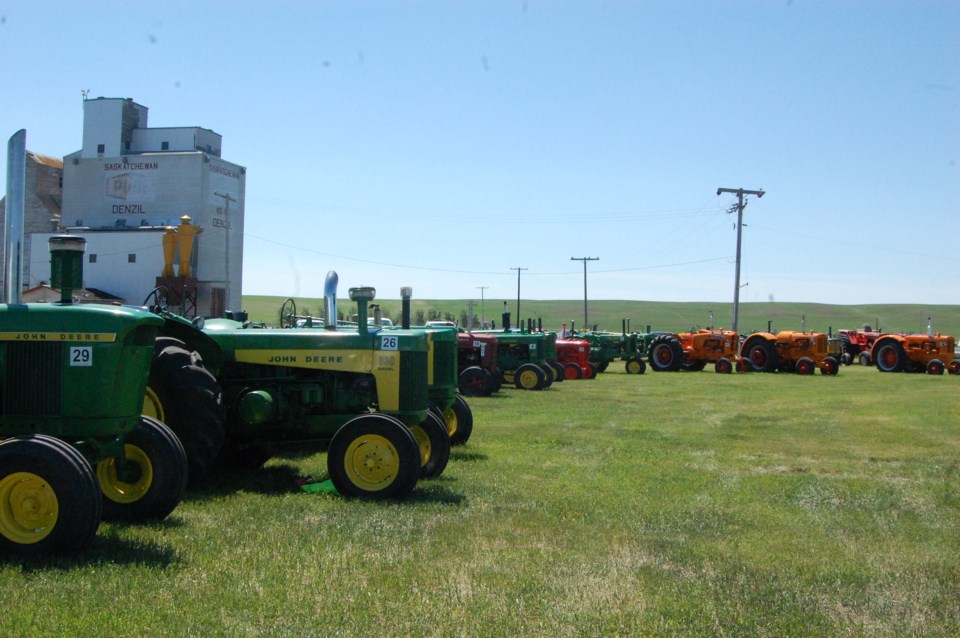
[533,359]
[113,411]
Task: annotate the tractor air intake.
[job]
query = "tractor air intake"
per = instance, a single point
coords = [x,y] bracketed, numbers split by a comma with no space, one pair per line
[66,264]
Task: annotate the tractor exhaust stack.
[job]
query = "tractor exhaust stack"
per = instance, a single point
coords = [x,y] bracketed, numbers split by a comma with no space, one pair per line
[405,293]
[16,194]
[330,300]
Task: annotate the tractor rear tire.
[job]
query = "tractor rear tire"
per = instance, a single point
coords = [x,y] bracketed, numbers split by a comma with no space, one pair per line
[666,353]
[805,366]
[50,502]
[723,366]
[186,397]
[475,382]
[374,456]
[160,475]
[529,376]
[954,366]
[572,371]
[935,366]
[889,356]
[434,444]
[760,354]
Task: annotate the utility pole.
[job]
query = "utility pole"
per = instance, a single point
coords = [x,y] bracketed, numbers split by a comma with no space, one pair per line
[516,321]
[482,288]
[740,206]
[227,198]
[585,260]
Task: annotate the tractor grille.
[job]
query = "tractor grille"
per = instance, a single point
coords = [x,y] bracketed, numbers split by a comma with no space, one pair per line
[37,366]
[445,362]
[141,336]
[413,387]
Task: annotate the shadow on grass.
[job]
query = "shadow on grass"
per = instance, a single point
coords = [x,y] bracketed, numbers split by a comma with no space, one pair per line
[108,548]
[273,479]
[460,456]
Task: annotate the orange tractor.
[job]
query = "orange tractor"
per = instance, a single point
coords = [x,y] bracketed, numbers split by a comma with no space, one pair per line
[916,353]
[692,351]
[789,351]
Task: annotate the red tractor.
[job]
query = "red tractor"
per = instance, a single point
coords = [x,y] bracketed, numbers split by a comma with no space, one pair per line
[789,351]
[916,353]
[574,356]
[857,344]
[477,364]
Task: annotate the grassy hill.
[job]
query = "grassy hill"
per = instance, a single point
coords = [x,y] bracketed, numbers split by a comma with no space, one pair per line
[659,315]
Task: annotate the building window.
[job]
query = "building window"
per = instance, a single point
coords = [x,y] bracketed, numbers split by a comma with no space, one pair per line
[92,258]
[164,146]
[132,258]
[101,148]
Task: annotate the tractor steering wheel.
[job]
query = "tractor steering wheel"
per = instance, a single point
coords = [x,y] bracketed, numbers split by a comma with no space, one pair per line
[288,314]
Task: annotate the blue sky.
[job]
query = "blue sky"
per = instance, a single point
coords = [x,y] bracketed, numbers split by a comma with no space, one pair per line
[440,145]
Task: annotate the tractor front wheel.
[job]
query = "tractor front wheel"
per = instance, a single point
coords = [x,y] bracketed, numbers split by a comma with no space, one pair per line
[954,366]
[152,479]
[723,366]
[529,376]
[864,359]
[572,371]
[635,365]
[830,366]
[805,366]
[434,443]
[374,456]
[49,498]
[935,366]
[461,417]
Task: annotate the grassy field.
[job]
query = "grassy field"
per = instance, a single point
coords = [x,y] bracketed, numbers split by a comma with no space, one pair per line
[659,315]
[667,504]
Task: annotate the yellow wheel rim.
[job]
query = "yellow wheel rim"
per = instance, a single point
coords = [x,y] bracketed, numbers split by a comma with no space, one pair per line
[120,491]
[423,442]
[371,462]
[528,379]
[152,406]
[28,508]
[633,367]
[450,419]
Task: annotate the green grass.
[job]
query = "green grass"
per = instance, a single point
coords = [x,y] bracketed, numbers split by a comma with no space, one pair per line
[659,315]
[664,504]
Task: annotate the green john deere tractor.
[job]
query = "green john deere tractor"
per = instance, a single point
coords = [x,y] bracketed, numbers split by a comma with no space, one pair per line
[75,447]
[362,394]
[523,356]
